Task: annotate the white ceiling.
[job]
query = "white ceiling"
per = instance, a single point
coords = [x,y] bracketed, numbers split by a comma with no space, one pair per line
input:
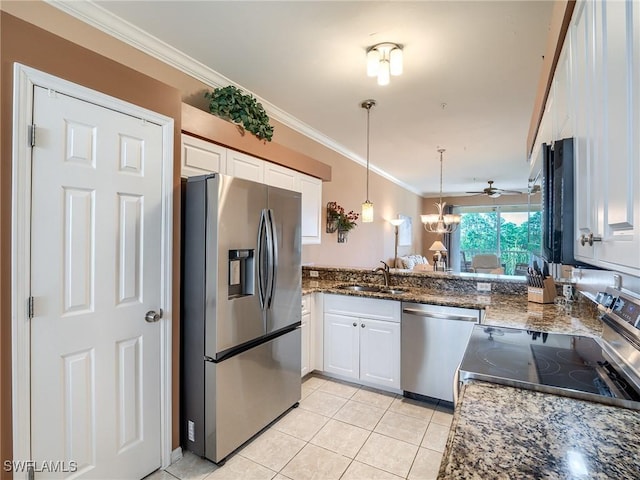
[482,59]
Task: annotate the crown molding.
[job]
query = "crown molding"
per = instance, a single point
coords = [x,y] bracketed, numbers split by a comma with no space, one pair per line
[105,21]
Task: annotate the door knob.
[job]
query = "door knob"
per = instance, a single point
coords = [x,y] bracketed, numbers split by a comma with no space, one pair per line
[152,316]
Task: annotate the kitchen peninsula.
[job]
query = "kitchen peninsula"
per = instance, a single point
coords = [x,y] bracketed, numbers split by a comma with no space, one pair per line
[499,431]
[505,305]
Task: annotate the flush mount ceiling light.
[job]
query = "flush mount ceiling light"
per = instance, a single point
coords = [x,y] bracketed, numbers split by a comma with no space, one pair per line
[440,223]
[367,206]
[383,60]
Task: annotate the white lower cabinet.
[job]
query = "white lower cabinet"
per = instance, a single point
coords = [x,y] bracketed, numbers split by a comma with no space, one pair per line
[341,345]
[362,339]
[380,352]
[306,334]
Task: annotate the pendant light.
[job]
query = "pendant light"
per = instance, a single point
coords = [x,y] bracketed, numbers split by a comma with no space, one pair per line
[367,206]
[440,223]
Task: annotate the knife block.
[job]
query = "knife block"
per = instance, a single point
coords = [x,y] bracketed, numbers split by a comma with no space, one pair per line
[547,294]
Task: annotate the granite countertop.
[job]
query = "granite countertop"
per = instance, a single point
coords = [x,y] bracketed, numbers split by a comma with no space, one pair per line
[505,310]
[504,432]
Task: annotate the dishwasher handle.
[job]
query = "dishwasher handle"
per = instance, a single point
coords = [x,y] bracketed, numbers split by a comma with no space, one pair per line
[441,316]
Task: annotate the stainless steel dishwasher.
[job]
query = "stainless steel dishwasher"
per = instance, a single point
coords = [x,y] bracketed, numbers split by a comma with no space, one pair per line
[434,339]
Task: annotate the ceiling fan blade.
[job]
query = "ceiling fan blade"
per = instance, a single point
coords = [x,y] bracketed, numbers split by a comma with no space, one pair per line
[511,192]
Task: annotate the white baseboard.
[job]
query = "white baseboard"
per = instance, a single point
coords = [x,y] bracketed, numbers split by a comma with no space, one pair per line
[176,455]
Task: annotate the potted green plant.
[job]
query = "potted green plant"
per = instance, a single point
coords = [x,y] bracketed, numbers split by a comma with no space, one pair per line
[241,108]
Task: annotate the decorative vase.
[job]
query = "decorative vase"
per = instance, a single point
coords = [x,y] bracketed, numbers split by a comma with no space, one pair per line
[343,236]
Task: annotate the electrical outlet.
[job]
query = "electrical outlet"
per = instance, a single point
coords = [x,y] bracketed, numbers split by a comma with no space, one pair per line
[191,431]
[314,273]
[567,291]
[483,287]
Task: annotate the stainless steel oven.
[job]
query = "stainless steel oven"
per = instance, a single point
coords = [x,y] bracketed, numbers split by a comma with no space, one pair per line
[605,369]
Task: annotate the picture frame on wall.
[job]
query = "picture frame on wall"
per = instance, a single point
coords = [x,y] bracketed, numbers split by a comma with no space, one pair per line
[405,233]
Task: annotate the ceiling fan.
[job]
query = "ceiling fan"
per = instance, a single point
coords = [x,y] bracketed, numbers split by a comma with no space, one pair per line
[494,192]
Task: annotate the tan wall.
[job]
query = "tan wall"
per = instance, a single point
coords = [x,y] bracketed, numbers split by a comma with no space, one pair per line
[368,243]
[101,65]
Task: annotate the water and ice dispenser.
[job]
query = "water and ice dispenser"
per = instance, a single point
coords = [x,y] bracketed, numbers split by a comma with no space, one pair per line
[241,273]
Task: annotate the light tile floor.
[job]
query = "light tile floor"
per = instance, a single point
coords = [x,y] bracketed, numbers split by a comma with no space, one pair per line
[340,431]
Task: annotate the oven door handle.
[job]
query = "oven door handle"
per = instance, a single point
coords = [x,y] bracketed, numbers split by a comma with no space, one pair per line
[441,316]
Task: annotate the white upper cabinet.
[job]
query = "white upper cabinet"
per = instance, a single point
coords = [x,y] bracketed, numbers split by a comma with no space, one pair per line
[619,162]
[200,157]
[245,166]
[582,58]
[311,189]
[282,177]
[606,110]
[562,127]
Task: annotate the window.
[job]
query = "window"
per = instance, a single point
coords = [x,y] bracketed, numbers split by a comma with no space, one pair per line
[511,232]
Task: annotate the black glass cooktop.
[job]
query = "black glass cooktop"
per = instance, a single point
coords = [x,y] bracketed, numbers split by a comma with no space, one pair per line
[568,365]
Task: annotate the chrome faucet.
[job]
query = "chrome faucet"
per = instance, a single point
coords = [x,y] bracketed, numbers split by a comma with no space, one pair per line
[385,273]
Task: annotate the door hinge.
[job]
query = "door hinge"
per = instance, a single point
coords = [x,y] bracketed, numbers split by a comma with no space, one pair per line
[31,133]
[30,307]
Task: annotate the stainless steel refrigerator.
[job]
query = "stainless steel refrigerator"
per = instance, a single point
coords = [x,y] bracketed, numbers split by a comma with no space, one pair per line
[241,297]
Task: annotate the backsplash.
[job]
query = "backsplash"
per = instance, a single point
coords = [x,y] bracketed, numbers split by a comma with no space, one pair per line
[593,281]
[460,283]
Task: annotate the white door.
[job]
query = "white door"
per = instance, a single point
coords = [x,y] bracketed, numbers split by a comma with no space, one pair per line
[96,271]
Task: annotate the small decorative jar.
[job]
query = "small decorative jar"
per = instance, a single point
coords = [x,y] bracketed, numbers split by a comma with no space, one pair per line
[343,236]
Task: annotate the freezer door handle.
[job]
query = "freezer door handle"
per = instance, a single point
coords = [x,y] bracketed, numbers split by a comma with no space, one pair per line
[262,257]
[273,261]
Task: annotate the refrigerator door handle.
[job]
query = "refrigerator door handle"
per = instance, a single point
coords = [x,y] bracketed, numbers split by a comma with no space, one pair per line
[273,264]
[262,274]
[269,263]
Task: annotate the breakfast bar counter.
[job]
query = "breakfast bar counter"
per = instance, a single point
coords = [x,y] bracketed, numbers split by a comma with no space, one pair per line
[501,309]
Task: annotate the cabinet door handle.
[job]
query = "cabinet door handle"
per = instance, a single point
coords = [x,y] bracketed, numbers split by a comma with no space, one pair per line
[355,324]
[593,238]
[362,325]
[584,239]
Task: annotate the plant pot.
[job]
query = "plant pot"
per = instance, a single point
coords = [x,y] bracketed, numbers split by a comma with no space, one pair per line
[343,236]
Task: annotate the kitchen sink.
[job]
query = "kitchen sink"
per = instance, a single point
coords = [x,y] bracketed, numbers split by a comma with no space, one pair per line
[393,291]
[373,289]
[361,288]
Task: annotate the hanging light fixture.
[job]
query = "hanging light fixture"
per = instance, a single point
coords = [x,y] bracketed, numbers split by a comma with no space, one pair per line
[367,206]
[440,223]
[383,60]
